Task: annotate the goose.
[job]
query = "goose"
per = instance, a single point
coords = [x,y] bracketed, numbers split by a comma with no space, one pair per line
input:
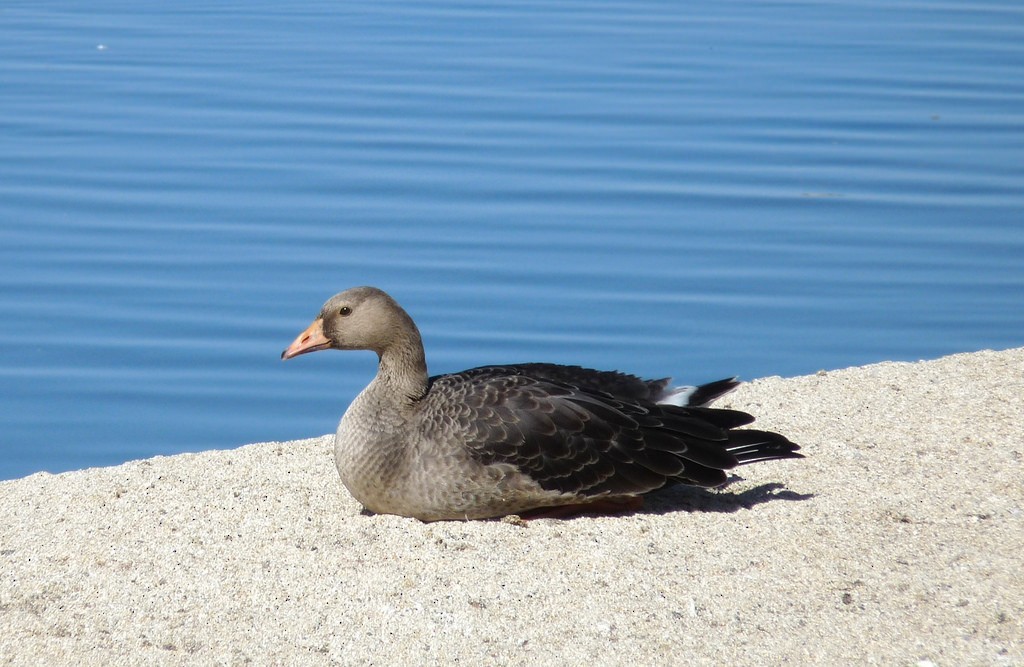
[517,439]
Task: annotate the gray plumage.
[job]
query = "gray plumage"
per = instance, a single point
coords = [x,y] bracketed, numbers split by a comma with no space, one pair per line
[500,440]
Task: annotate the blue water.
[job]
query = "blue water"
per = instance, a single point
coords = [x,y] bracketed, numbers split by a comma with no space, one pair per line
[693,189]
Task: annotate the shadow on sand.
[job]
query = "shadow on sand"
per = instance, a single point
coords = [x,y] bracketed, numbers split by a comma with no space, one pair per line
[684,498]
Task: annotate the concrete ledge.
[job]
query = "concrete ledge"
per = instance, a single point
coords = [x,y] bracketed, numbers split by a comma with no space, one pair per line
[898,541]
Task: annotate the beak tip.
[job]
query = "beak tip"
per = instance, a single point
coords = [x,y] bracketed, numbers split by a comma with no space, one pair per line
[310,340]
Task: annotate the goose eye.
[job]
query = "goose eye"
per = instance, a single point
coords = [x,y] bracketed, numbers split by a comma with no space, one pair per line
[345,311]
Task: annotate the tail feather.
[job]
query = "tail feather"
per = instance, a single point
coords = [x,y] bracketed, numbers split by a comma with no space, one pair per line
[752,445]
[699,396]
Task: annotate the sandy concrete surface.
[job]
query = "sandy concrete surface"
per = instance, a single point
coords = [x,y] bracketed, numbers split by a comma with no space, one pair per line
[898,541]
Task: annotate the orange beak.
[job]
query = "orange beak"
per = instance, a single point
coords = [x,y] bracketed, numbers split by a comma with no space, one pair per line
[310,340]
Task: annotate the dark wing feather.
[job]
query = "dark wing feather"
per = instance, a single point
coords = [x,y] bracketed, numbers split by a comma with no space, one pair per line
[603,383]
[621,385]
[604,434]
